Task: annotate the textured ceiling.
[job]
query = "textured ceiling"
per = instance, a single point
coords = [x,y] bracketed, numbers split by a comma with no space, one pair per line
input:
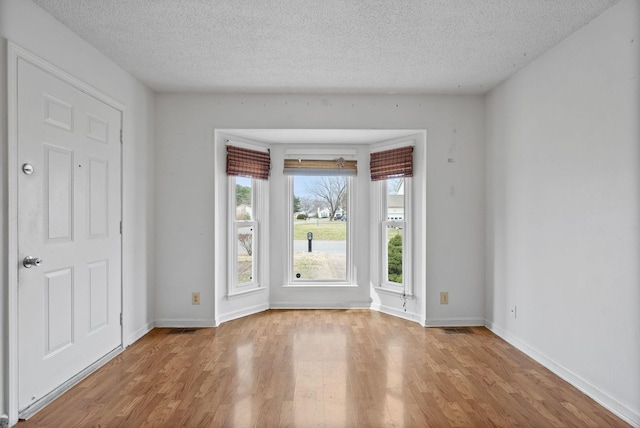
[323,46]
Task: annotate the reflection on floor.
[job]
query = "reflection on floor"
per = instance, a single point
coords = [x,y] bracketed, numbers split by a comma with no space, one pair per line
[330,368]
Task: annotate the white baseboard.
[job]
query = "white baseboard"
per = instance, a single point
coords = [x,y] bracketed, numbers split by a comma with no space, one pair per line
[621,410]
[454,322]
[409,316]
[139,333]
[185,323]
[242,313]
[318,305]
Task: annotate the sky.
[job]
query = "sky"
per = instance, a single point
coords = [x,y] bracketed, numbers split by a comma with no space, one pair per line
[302,185]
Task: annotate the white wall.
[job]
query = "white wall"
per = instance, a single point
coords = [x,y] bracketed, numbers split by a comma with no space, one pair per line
[33,29]
[563,211]
[185,204]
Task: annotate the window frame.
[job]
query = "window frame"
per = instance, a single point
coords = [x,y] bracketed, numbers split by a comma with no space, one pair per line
[234,288]
[291,281]
[406,287]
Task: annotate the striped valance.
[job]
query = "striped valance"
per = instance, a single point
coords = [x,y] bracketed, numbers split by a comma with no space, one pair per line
[392,163]
[248,163]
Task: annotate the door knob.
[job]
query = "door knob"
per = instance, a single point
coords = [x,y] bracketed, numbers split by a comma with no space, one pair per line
[31,261]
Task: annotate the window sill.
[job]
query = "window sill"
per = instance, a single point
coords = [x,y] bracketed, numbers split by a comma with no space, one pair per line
[391,291]
[244,293]
[319,285]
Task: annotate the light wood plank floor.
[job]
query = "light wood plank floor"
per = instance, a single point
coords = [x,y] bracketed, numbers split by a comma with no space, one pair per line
[353,368]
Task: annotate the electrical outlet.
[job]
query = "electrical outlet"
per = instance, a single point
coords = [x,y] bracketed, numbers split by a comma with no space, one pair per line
[514,312]
[444,298]
[195,298]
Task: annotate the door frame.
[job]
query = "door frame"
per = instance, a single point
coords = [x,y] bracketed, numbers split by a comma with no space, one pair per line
[14,54]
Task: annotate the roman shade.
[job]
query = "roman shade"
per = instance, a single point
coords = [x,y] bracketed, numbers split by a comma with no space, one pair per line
[248,163]
[335,167]
[392,163]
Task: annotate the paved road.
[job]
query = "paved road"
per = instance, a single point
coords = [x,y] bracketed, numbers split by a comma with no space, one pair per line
[331,247]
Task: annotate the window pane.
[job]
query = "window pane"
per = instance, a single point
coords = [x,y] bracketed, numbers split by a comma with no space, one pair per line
[394,253]
[244,198]
[244,263]
[393,227]
[395,199]
[319,228]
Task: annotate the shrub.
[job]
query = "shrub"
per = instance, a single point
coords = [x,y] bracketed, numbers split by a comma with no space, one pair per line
[394,251]
[301,216]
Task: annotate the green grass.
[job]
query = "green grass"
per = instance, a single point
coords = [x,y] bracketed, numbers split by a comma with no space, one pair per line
[324,230]
[245,268]
[306,265]
[319,266]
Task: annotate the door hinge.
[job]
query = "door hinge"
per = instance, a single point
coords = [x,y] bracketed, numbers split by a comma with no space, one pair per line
[120,318]
[121,136]
[120,228]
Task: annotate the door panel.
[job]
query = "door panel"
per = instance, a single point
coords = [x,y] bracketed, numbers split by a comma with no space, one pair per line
[98,295]
[68,215]
[98,191]
[58,113]
[58,185]
[58,310]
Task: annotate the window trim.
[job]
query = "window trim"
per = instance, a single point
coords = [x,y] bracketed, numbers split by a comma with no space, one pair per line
[291,282]
[406,288]
[234,289]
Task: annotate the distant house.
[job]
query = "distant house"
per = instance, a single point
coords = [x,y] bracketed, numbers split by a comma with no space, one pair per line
[395,207]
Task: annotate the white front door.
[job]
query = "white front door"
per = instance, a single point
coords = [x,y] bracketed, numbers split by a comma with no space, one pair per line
[69,213]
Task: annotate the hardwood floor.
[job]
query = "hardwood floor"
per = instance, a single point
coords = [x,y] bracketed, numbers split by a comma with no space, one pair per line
[333,368]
